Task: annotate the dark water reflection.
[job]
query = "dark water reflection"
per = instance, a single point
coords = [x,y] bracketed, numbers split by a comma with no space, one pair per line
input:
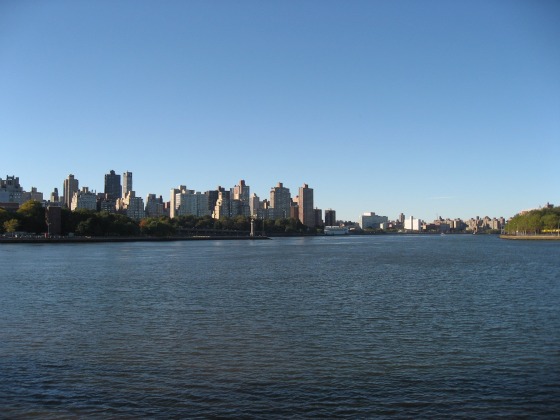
[404,326]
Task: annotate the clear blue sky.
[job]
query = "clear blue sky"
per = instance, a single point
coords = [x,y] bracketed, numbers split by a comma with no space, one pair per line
[448,108]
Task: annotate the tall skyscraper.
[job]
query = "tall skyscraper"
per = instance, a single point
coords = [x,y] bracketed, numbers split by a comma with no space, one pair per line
[213,198]
[305,202]
[280,201]
[113,188]
[127,183]
[70,186]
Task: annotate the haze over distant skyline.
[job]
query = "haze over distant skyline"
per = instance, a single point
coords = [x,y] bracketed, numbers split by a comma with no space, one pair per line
[427,108]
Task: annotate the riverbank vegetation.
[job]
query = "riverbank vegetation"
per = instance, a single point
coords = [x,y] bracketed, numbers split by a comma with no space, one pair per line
[30,218]
[535,222]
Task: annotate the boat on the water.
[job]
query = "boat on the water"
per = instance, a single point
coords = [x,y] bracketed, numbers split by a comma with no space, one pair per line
[336,230]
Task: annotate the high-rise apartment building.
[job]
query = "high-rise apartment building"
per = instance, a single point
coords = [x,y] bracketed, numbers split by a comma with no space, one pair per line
[318,217]
[127,183]
[223,205]
[113,188]
[69,188]
[84,199]
[54,196]
[212,198]
[241,193]
[185,202]
[305,203]
[330,217]
[133,206]
[255,205]
[280,201]
[154,206]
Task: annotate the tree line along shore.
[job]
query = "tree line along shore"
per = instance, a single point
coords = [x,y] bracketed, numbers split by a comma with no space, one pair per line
[30,219]
[535,224]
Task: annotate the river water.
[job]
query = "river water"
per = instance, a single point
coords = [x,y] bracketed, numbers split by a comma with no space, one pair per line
[378,326]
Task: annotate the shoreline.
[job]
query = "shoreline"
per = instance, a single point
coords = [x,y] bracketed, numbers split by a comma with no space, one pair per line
[530,237]
[81,239]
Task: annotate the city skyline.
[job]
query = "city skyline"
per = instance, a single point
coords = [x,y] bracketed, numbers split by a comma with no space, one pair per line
[429,109]
[280,199]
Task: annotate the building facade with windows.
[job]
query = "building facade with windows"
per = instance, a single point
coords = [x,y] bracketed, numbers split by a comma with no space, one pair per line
[372,221]
[84,199]
[305,204]
[113,187]
[127,183]
[69,188]
[155,206]
[10,190]
[280,202]
[330,217]
[132,206]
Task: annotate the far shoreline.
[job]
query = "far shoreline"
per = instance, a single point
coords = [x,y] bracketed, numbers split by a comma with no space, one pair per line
[530,237]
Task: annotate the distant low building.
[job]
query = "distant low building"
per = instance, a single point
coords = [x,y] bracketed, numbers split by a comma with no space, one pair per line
[413,224]
[372,221]
[32,195]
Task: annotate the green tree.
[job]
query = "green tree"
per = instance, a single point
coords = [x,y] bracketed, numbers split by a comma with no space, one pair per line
[205,222]
[550,221]
[241,223]
[4,217]
[534,223]
[161,226]
[187,221]
[11,225]
[32,217]
[85,227]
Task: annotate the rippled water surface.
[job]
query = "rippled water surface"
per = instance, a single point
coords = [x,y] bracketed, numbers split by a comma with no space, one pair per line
[383,326]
